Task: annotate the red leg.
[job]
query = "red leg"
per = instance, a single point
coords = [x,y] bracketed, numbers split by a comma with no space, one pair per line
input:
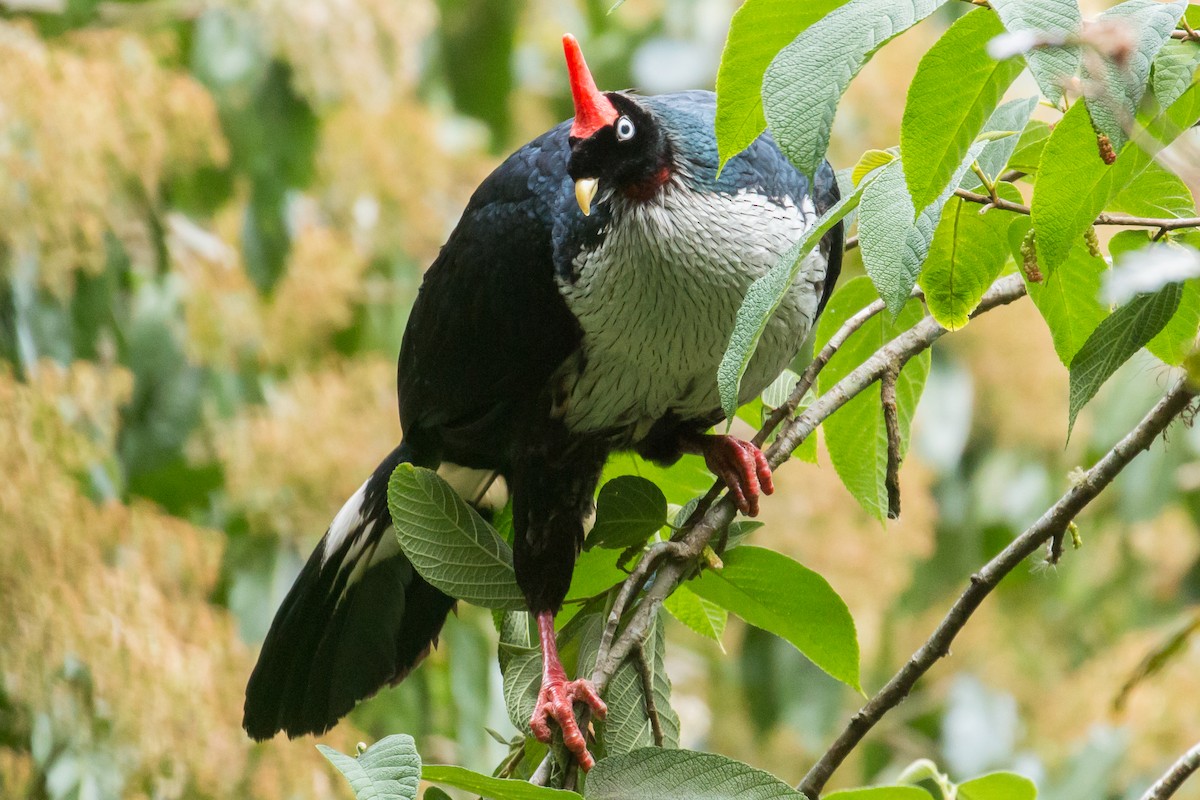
[558,696]
[741,465]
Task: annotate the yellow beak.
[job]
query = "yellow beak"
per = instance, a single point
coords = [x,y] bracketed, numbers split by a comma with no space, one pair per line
[585,190]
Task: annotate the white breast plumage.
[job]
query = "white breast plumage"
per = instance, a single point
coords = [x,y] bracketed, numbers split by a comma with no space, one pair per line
[657,300]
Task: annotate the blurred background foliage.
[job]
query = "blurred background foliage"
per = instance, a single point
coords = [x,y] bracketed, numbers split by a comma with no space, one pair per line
[214,215]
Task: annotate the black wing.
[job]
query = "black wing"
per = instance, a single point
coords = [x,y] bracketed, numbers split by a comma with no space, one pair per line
[489,326]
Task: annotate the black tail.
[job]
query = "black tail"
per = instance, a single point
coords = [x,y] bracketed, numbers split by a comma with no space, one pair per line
[357,617]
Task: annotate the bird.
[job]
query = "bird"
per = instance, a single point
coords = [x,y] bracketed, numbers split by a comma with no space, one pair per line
[580,307]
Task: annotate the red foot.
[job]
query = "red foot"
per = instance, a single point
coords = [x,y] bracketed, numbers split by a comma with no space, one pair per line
[742,466]
[558,696]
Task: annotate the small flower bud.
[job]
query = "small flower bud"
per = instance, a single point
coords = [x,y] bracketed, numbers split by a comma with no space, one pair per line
[1029,264]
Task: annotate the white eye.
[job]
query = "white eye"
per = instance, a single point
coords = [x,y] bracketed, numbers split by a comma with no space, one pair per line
[625,129]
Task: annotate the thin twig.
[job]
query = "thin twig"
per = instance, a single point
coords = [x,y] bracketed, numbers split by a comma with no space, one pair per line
[1103,219]
[851,243]
[1056,519]
[643,665]
[1179,772]
[891,424]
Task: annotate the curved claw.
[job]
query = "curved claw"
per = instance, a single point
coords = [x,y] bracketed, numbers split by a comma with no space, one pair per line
[742,466]
[556,701]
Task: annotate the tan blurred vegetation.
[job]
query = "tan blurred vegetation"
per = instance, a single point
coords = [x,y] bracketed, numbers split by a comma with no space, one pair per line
[129,615]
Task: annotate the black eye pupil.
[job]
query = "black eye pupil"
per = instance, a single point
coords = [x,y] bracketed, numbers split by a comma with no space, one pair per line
[624,128]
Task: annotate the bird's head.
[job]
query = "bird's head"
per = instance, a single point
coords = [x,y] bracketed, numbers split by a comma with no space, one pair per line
[617,144]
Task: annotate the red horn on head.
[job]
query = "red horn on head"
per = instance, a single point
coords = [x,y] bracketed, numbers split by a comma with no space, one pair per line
[592,109]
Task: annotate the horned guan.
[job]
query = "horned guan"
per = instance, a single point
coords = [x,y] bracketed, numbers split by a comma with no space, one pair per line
[580,307]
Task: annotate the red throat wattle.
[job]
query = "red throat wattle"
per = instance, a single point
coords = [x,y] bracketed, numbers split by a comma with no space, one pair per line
[592,109]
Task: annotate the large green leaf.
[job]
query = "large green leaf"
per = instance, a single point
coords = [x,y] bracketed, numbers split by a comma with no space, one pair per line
[682,775]
[762,300]
[390,769]
[1174,70]
[702,616]
[1118,88]
[968,252]
[759,30]
[998,786]
[956,88]
[855,436]
[1052,67]
[805,82]
[448,543]
[629,511]
[1073,185]
[489,787]
[1069,298]
[596,571]
[1177,339]
[881,793]
[1155,192]
[1115,340]
[894,246]
[685,479]
[775,593]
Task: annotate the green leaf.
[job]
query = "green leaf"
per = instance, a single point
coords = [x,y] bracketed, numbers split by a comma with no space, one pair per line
[956,88]
[1174,70]
[1115,340]
[855,436]
[881,793]
[489,787]
[759,30]
[775,593]
[627,725]
[522,682]
[1155,192]
[1073,185]
[1069,298]
[702,616]
[1052,67]
[805,82]
[1028,154]
[448,543]
[682,775]
[390,769]
[1177,339]
[870,161]
[595,571]
[1114,107]
[680,482]
[629,511]
[762,300]
[894,246]
[969,251]
[998,786]
[1011,116]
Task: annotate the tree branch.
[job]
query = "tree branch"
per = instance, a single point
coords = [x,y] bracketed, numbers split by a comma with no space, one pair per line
[1179,772]
[690,541]
[1055,520]
[670,563]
